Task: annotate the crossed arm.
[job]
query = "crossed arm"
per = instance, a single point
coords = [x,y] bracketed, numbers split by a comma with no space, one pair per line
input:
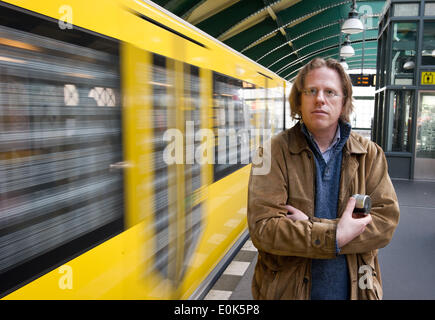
[349,226]
[280,229]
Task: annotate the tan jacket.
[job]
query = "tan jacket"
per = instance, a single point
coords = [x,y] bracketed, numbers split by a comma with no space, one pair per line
[286,247]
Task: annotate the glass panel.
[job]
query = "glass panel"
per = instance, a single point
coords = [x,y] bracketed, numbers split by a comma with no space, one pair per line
[60,130]
[375,117]
[379,119]
[383,57]
[193,208]
[289,121]
[362,116]
[162,102]
[276,109]
[403,53]
[425,139]
[406,9]
[425,147]
[382,118]
[429,9]
[399,126]
[231,125]
[428,53]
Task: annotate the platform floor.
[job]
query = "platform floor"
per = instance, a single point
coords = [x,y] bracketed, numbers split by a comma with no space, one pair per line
[407,263]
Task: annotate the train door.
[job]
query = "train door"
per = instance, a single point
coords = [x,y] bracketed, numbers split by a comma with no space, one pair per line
[164,182]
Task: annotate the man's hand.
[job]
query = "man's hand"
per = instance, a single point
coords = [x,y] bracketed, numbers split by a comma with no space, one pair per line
[295,214]
[350,226]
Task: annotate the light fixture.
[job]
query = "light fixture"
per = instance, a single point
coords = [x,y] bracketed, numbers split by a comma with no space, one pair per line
[352,25]
[433,53]
[344,63]
[347,50]
[409,65]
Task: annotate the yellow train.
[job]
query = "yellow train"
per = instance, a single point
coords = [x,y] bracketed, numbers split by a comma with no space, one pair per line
[125,142]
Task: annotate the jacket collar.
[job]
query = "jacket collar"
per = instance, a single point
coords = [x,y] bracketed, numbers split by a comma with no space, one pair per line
[353,145]
[297,141]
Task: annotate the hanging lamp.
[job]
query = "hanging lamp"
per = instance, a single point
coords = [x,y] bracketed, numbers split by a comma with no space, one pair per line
[352,25]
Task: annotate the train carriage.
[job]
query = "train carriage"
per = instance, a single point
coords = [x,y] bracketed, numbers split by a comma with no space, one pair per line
[125,143]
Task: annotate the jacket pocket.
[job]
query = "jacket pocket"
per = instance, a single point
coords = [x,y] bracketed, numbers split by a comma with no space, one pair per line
[265,280]
[276,277]
[273,285]
[284,284]
[369,282]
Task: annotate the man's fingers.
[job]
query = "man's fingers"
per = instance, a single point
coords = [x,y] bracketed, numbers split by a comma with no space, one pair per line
[350,205]
[295,214]
[290,209]
[367,219]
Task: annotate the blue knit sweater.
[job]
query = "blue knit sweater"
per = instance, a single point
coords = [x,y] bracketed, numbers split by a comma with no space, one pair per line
[330,280]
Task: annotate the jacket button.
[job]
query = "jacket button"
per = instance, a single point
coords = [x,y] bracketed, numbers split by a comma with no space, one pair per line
[305,280]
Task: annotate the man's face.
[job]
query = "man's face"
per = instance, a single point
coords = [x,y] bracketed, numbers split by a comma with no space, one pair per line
[322,100]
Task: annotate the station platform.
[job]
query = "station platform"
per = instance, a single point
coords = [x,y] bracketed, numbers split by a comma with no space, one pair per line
[407,262]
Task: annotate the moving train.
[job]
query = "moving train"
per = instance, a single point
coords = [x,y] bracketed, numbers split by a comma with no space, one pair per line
[125,148]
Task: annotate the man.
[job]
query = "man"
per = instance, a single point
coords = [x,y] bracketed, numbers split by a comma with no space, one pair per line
[300,214]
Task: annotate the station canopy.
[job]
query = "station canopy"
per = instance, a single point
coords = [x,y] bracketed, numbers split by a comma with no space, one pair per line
[284,35]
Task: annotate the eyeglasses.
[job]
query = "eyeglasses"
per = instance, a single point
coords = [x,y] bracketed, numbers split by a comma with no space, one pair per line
[329,93]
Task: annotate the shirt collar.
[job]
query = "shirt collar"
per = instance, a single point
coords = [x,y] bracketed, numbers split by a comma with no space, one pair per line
[336,137]
[334,142]
[299,139]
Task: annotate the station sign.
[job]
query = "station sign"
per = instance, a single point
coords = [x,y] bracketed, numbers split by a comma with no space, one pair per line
[427,78]
[363,80]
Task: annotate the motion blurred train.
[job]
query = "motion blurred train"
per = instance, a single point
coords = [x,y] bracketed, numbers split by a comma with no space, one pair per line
[126,137]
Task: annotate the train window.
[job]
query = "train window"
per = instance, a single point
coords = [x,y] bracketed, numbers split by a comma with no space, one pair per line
[231,127]
[193,207]
[162,119]
[60,122]
[276,108]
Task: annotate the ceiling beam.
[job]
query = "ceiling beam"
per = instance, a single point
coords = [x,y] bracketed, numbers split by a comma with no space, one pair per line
[205,9]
